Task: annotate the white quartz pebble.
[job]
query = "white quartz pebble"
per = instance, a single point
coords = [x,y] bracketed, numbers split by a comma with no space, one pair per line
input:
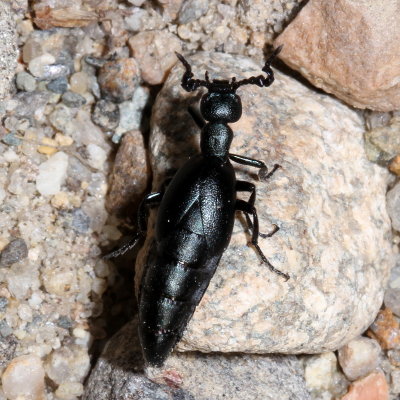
[24,378]
[52,174]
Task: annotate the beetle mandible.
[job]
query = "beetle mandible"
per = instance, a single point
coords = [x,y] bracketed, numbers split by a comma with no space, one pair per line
[195,217]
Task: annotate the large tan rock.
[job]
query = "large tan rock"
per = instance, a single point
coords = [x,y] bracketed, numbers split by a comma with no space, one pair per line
[348,48]
[327,198]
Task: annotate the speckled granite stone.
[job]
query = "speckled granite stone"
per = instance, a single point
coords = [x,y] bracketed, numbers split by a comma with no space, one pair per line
[118,375]
[327,199]
[8,49]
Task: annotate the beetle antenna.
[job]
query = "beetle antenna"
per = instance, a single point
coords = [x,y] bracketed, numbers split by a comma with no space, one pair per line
[188,83]
[261,80]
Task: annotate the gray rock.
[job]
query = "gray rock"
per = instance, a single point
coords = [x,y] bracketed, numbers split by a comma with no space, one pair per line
[106,114]
[119,374]
[59,85]
[3,303]
[393,206]
[80,222]
[8,345]
[392,293]
[15,251]
[11,140]
[8,49]
[192,10]
[327,199]
[95,61]
[25,81]
[73,100]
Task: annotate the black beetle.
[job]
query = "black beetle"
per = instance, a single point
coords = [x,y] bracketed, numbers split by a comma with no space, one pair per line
[195,217]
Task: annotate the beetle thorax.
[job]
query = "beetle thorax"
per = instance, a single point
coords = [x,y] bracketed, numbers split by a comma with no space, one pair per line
[219,108]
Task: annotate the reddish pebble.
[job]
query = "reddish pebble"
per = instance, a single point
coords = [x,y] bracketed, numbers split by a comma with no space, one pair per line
[118,79]
[130,175]
[372,387]
[386,330]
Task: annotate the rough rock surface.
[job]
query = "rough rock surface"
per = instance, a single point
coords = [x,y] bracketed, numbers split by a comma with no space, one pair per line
[193,376]
[8,49]
[346,48]
[129,178]
[327,199]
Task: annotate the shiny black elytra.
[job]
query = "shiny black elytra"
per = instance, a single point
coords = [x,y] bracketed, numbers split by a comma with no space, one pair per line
[195,217]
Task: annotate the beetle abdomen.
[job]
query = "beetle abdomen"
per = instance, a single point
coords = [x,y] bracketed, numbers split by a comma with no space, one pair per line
[170,292]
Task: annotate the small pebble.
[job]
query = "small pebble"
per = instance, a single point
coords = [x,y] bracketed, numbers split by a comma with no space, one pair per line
[155,54]
[106,114]
[80,221]
[131,113]
[192,10]
[63,140]
[15,251]
[60,200]
[59,85]
[64,322]
[96,156]
[69,390]
[359,357]
[25,81]
[79,82]
[38,66]
[394,357]
[52,174]
[49,146]
[3,304]
[8,345]
[118,79]
[386,330]
[11,140]
[137,18]
[54,71]
[395,377]
[31,49]
[393,206]
[73,100]
[68,364]
[24,378]
[372,387]
[25,312]
[394,165]
[319,371]
[5,329]
[95,61]
[136,3]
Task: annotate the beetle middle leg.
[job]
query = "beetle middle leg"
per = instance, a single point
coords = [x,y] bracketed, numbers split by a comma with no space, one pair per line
[249,209]
[243,186]
[150,200]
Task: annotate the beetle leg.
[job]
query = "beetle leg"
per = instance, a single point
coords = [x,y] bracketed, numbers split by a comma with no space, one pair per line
[130,244]
[250,209]
[263,174]
[243,186]
[149,200]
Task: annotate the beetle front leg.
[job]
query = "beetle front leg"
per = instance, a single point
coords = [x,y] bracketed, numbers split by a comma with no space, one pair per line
[250,209]
[263,174]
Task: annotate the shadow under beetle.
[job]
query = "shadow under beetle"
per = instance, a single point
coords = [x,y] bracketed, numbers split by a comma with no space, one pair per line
[195,217]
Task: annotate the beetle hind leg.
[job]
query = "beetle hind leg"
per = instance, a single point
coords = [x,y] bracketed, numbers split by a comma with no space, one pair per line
[149,200]
[249,209]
